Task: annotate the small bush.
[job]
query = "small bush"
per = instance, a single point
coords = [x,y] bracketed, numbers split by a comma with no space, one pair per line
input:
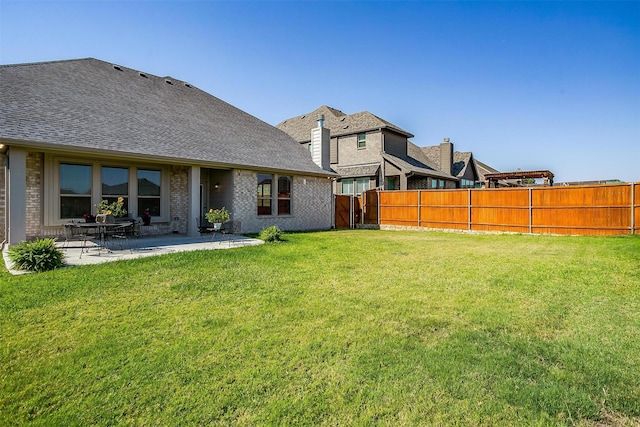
[39,255]
[271,234]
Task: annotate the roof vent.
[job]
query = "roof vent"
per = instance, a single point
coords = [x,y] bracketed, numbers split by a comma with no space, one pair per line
[169,82]
[115,67]
[187,85]
[143,75]
[345,127]
[342,119]
[303,117]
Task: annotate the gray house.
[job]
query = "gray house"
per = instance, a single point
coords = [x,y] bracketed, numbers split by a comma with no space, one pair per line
[75,132]
[369,152]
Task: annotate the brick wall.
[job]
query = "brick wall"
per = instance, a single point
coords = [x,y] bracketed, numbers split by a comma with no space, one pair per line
[178,200]
[311,204]
[35,216]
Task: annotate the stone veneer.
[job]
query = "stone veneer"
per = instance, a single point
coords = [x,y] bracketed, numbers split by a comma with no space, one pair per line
[34,219]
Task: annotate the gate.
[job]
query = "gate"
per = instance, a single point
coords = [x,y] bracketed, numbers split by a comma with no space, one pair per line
[348,211]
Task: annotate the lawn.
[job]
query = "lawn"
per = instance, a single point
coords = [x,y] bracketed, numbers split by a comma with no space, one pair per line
[355,327]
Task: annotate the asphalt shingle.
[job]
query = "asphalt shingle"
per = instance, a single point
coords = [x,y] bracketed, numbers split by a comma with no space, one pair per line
[95,106]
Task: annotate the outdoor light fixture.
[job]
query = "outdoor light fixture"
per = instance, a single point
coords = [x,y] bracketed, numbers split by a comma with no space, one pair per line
[216,185]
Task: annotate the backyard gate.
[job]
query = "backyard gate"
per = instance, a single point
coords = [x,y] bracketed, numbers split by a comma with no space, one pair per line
[348,211]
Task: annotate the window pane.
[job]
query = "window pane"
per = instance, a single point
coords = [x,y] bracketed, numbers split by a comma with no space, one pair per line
[148,183]
[153,204]
[284,206]
[284,186]
[264,206]
[362,185]
[115,181]
[75,179]
[264,194]
[284,195]
[347,186]
[264,185]
[74,207]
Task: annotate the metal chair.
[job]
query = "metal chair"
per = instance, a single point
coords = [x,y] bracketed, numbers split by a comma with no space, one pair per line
[73,232]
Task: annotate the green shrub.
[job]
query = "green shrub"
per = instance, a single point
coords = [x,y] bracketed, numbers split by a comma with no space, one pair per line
[271,234]
[39,255]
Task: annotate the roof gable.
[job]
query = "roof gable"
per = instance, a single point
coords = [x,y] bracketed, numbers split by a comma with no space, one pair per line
[339,123]
[88,104]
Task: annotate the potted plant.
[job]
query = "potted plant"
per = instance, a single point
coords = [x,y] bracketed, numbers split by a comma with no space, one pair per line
[106,212]
[146,217]
[217,217]
[89,218]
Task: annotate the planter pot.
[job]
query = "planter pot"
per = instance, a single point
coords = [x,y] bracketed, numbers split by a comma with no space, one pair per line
[146,221]
[90,220]
[217,226]
[105,219]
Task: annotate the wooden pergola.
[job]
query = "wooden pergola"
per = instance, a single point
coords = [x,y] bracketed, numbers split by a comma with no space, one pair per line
[495,177]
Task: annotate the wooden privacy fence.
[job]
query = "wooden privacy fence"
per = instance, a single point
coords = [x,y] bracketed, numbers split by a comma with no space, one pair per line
[586,210]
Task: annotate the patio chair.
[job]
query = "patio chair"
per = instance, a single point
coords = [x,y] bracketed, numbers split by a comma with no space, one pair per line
[230,228]
[204,228]
[121,233]
[73,232]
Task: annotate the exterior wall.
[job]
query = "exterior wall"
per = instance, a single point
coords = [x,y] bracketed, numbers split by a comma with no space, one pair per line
[395,144]
[349,154]
[3,198]
[418,183]
[35,215]
[311,204]
[179,201]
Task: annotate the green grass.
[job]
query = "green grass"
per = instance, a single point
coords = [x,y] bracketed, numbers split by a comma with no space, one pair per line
[334,328]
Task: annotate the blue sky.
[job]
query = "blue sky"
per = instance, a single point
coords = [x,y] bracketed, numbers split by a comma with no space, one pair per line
[529,85]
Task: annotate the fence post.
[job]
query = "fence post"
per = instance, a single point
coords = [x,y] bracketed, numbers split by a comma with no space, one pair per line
[633,208]
[469,211]
[419,206]
[530,210]
[378,207]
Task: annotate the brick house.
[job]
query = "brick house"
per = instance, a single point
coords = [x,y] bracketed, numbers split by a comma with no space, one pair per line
[369,152]
[75,132]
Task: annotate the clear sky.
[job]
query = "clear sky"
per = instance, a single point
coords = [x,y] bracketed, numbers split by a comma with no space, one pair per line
[530,85]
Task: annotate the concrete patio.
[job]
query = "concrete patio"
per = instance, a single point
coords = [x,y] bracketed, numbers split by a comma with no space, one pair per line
[143,247]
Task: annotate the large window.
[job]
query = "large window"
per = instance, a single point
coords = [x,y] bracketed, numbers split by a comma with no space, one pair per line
[74,187]
[362,185]
[75,190]
[115,184]
[284,195]
[264,194]
[149,185]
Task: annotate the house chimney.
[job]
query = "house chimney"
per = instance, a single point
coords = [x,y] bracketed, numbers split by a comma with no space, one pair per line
[446,156]
[320,137]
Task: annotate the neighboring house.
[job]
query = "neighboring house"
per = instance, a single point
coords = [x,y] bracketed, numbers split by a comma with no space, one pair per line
[462,165]
[75,132]
[368,152]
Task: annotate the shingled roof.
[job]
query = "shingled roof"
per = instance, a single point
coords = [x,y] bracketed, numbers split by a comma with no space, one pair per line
[92,106]
[339,123]
[461,160]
